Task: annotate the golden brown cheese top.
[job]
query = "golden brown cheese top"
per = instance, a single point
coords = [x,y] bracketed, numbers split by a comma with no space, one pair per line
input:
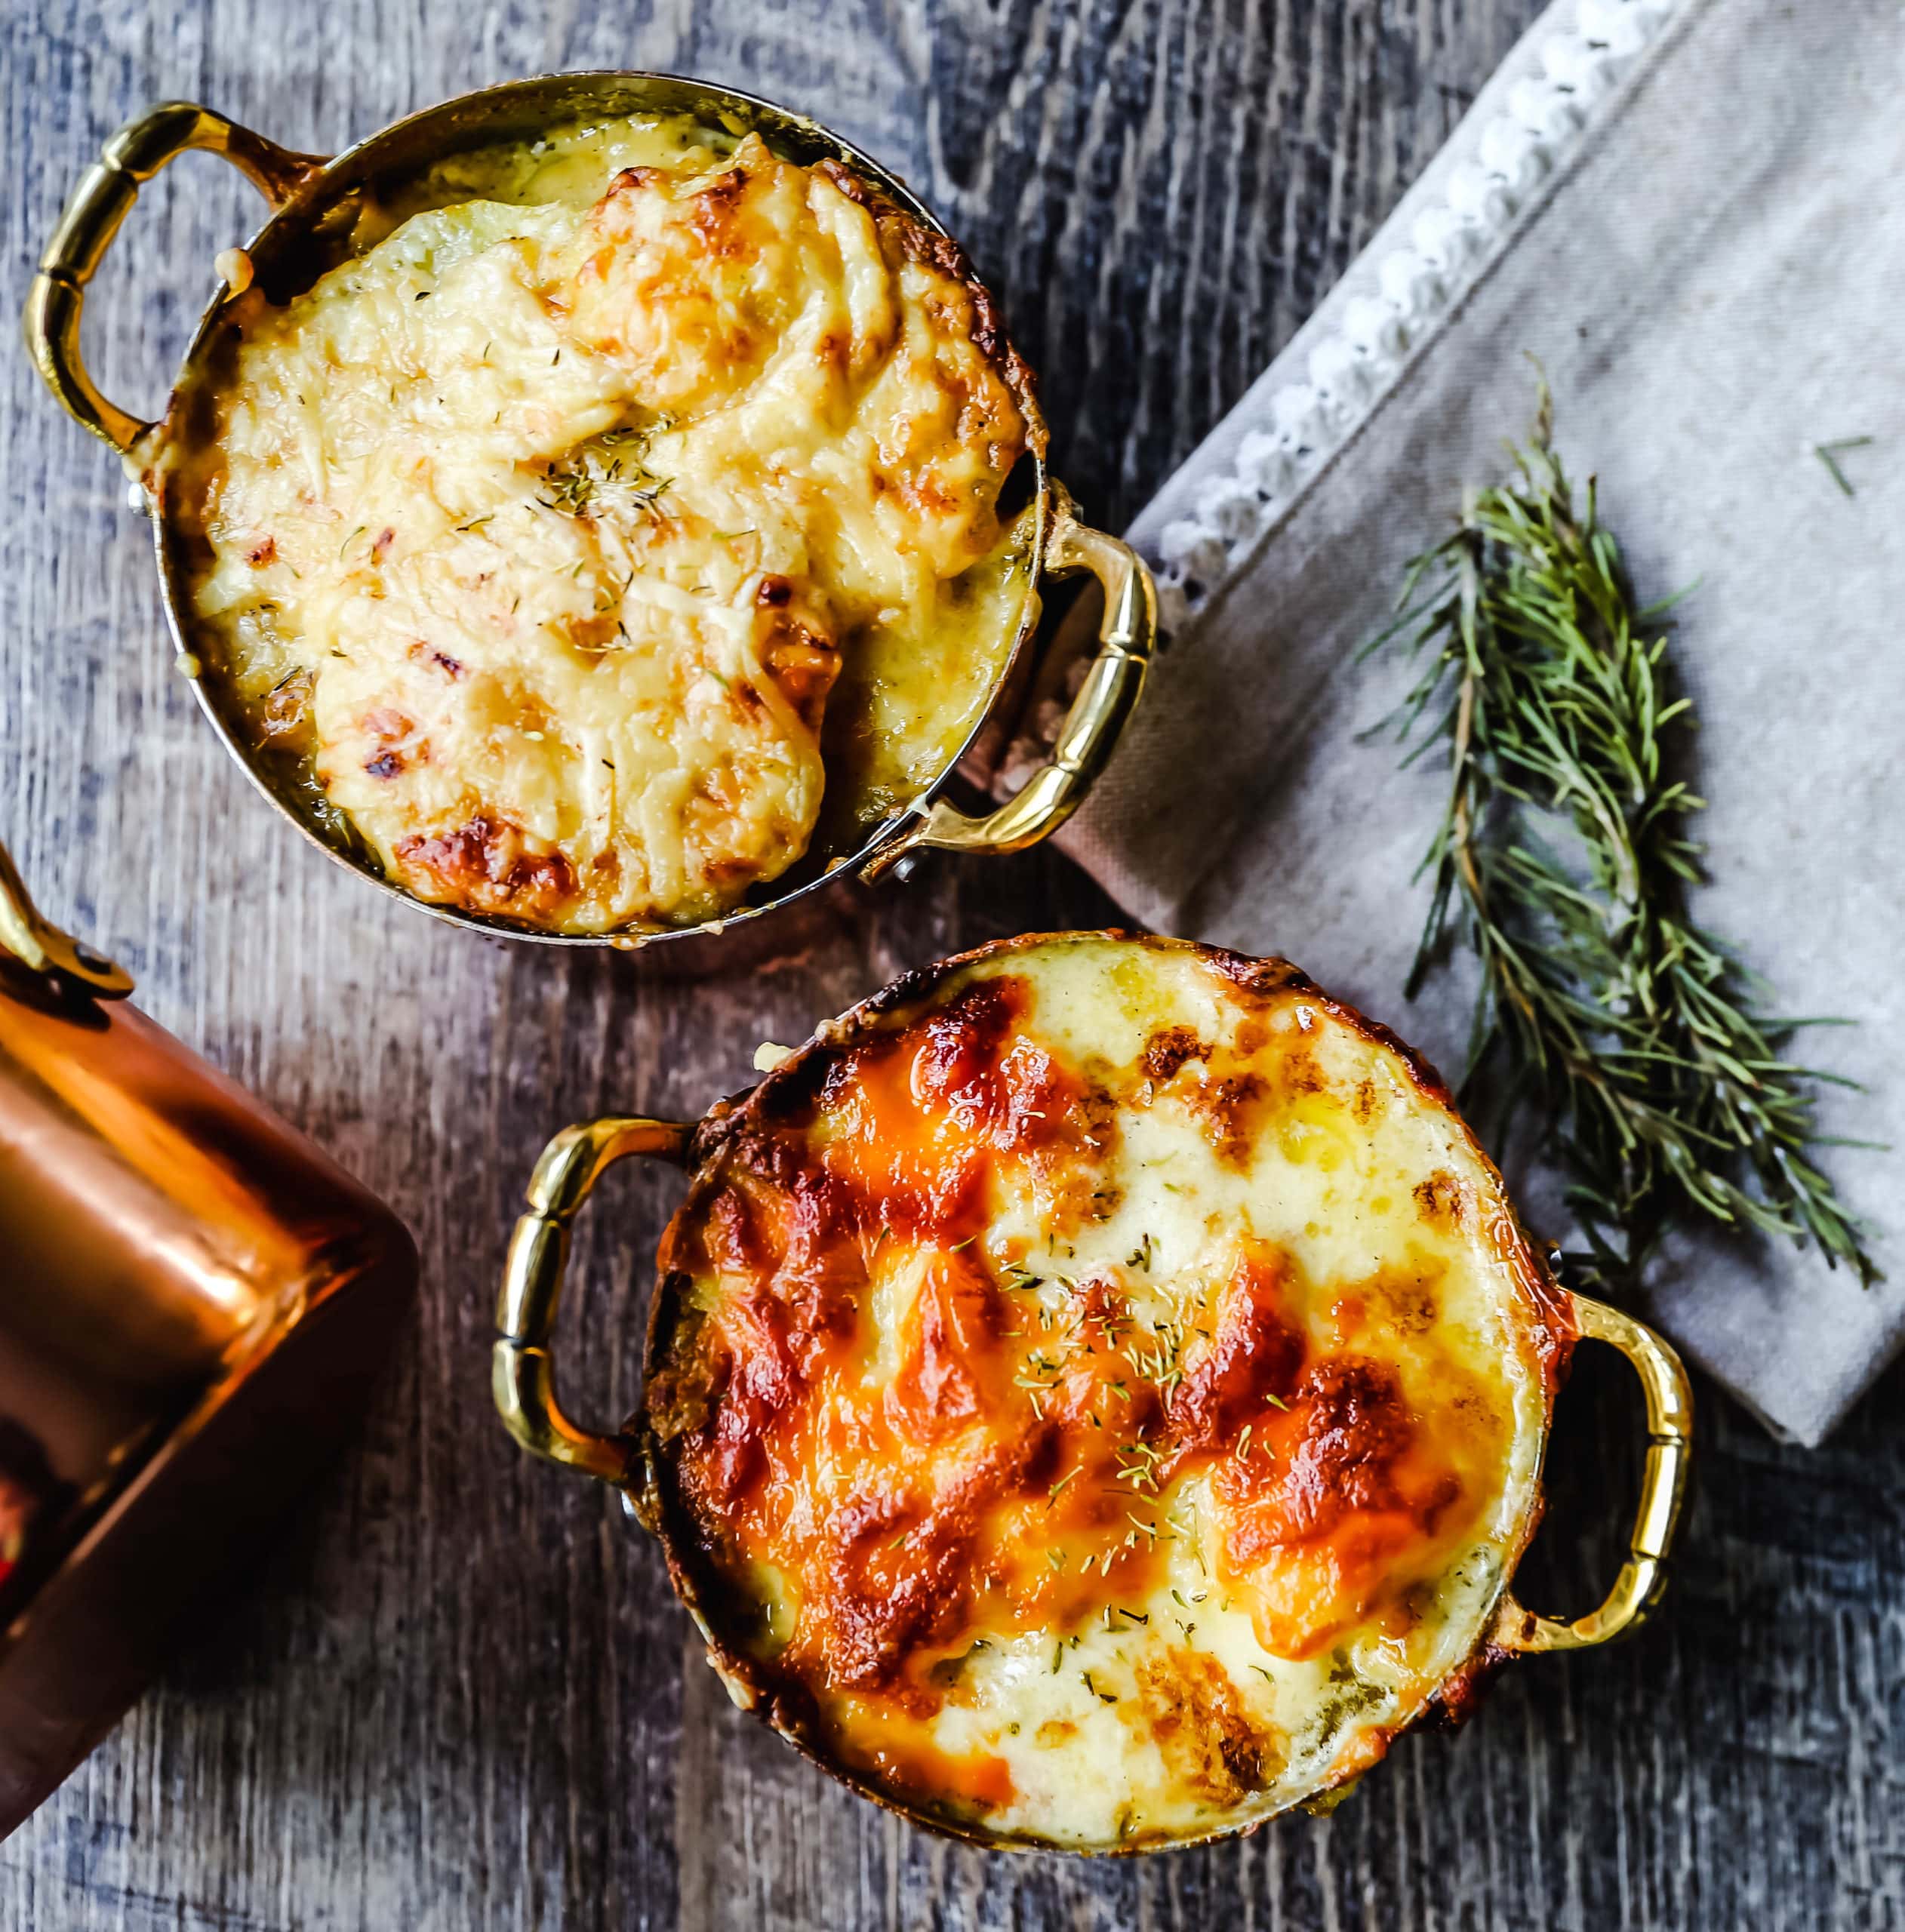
[540,535]
[1106,1395]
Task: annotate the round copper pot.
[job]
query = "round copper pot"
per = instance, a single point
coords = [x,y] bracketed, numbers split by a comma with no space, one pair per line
[632,1458]
[311,199]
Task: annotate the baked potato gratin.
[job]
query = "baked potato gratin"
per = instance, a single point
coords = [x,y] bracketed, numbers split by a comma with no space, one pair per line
[1097,1393]
[615,495]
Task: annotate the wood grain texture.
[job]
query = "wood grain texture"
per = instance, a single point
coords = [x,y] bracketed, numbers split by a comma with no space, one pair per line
[460,1695]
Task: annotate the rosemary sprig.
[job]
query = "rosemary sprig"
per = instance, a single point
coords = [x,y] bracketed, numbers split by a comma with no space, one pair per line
[1563,858]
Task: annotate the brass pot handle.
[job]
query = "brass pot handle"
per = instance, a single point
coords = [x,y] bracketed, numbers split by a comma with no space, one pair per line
[1663,1482]
[102,201]
[37,942]
[521,1378]
[1090,731]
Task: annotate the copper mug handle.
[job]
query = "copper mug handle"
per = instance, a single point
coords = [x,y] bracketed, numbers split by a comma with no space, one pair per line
[1126,638]
[99,204]
[521,1378]
[1663,1484]
[38,944]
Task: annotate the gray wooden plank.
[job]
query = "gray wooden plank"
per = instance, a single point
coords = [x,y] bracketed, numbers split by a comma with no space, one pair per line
[460,1695]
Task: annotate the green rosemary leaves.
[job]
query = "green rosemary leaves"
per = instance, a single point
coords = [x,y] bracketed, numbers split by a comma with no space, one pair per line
[1608,1023]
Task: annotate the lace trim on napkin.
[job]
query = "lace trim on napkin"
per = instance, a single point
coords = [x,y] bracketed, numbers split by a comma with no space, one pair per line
[1387,306]
[1500,162]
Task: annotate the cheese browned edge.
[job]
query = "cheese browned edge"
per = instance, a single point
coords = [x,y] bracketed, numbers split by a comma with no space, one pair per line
[624,711]
[879,1339]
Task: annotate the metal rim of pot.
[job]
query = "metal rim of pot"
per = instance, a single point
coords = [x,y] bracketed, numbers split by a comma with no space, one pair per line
[523,1385]
[301,190]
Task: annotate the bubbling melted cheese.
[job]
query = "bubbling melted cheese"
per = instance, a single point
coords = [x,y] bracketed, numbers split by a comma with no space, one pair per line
[1105,1396]
[539,533]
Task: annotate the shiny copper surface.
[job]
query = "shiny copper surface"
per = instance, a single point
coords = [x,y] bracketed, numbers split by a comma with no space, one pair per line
[194,1302]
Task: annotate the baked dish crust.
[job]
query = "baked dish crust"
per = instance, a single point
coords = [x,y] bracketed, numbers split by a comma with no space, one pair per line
[540,532]
[1098,1394]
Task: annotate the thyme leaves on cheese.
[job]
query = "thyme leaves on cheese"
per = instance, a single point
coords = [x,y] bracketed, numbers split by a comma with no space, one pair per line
[1138,1463]
[611,470]
[1159,1359]
[1634,1038]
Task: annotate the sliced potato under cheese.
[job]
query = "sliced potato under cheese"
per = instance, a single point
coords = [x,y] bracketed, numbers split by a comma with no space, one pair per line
[540,532]
[1096,1392]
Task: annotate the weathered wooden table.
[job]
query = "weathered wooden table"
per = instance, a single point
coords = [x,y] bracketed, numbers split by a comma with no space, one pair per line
[461,1696]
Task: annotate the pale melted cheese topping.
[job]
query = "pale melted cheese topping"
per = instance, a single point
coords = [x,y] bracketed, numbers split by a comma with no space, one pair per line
[1109,1397]
[540,534]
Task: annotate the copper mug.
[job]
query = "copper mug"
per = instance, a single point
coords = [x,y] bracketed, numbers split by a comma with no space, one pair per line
[193,1305]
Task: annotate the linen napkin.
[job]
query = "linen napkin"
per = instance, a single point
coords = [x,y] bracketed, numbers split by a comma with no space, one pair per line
[1692,212]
